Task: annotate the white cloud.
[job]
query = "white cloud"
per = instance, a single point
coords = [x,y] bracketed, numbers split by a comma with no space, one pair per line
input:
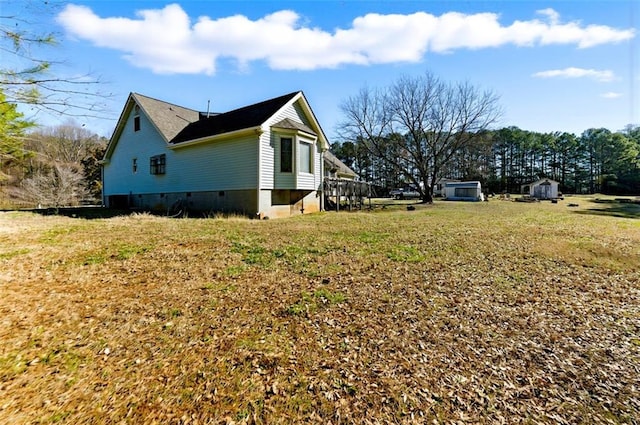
[167,41]
[554,17]
[611,95]
[571,72]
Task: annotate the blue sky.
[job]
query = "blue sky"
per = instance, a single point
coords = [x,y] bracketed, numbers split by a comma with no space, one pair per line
[556,65]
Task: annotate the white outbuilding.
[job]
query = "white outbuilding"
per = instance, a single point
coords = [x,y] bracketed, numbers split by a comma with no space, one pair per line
[541,189]
[463,191]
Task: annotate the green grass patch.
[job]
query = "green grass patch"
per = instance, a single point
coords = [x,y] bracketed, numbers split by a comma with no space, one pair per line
[252,253]
[312,301]
[15,253]
[406,254]
[58,234]
[12,364]
[127,251]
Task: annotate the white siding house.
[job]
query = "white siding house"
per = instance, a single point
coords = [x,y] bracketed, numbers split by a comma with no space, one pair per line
[261,160]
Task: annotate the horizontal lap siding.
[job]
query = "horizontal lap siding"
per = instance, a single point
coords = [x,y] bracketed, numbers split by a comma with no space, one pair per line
[306,181]
[271,177]
[293,112]
[119,177]
[267,160]
[318,167]
[219,165]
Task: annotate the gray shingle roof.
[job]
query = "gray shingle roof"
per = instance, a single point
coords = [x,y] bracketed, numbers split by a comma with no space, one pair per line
[289,124]
[333,162]
[168,118]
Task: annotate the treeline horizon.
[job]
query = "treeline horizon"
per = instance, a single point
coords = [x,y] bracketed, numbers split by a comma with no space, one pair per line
[503,160]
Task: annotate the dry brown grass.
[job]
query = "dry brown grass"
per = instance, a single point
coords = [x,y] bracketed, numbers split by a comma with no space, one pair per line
[476,313]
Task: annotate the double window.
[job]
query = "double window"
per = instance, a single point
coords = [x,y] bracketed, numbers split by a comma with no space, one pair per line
[158,164]
[292,148]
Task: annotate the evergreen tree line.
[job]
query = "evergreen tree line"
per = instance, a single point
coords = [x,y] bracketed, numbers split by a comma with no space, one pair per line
[597,161]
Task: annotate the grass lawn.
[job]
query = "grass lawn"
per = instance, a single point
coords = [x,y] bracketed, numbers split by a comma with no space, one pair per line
[471,312]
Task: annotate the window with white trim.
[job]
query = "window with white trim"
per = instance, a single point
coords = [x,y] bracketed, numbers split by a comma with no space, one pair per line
[286,155]
[305,157]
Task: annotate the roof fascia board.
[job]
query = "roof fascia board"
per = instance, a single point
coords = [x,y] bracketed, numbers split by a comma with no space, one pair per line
[119,128]
[257,130]
[296,132]
[324,143]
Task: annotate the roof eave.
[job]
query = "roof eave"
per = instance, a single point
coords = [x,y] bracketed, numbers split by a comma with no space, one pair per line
[324,143]
[118,129]
[257,130]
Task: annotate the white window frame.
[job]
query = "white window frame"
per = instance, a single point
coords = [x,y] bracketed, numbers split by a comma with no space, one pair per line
[292,157]
[310,161]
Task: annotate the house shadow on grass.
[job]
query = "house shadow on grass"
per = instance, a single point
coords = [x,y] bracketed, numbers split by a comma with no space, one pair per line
[614,208]
[88,212]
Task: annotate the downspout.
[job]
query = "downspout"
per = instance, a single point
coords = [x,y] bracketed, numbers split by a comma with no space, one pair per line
[259,176]
[321,185]
[104,201]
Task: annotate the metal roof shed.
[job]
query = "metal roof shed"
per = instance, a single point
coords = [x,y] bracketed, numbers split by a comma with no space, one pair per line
[463,191]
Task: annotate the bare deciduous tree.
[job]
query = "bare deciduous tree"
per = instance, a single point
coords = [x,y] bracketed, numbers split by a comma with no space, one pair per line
[60,185]
[66,143]
[418,124]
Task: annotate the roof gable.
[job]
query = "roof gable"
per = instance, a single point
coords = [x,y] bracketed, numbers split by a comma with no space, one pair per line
[167,118]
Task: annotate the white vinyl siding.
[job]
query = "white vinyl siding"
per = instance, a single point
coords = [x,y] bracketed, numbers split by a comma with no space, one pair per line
[270,145]
[218,165]
[267,160]
[303,176]
[141,145]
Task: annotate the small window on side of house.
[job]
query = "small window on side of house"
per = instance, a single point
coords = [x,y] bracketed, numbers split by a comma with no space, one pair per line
[136,123]
[286,155]
[134,165]
[158,164]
